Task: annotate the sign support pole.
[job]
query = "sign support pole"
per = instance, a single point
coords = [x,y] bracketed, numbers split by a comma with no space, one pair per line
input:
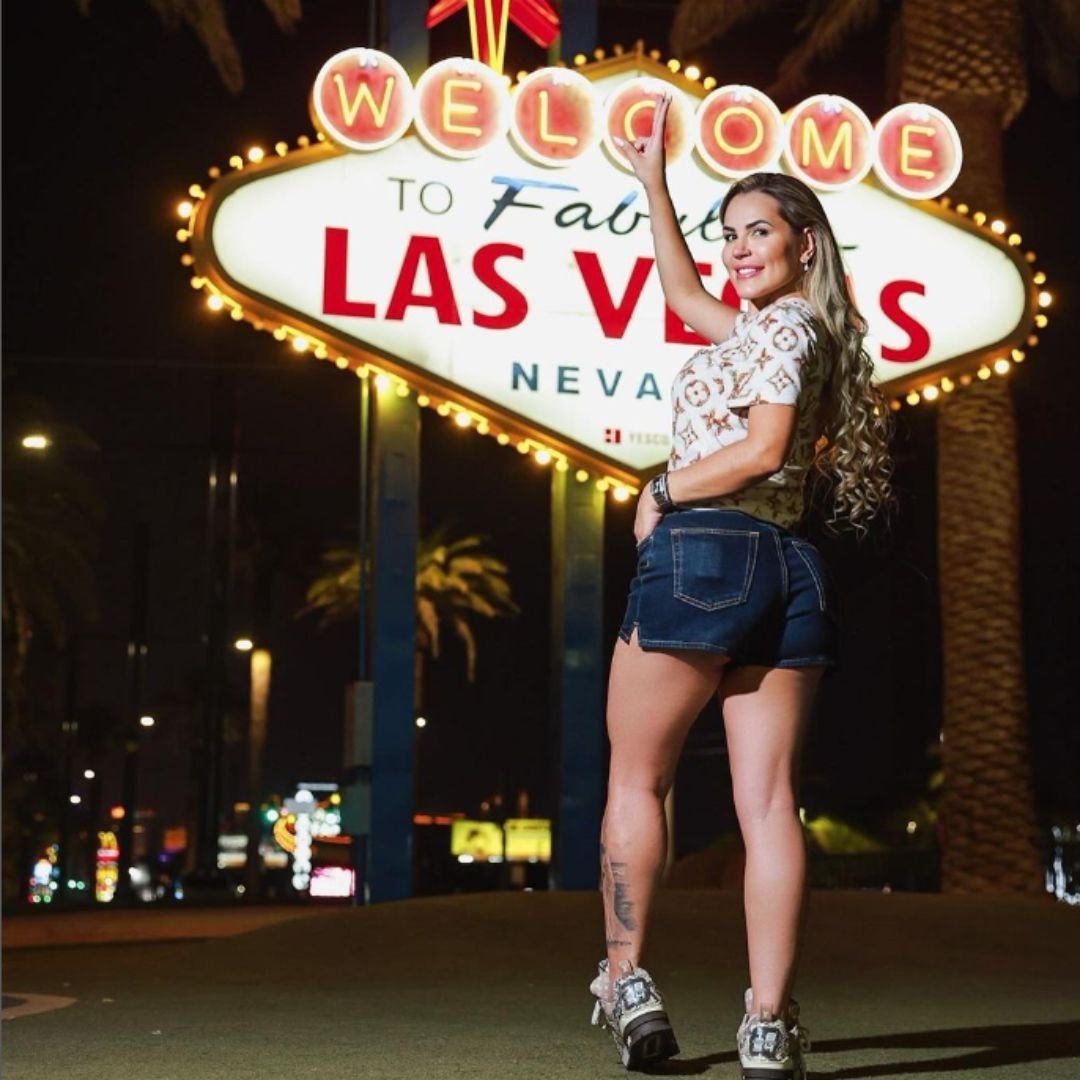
[393,580]
[378,801]
[577,555]
[577,30]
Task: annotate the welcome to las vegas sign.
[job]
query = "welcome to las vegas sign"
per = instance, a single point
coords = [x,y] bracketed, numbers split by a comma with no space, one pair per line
[490,248]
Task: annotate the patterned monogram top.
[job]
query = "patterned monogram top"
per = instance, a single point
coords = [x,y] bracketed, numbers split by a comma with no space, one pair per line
[769,359]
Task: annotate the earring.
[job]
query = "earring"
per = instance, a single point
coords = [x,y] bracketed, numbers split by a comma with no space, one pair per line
[805,261]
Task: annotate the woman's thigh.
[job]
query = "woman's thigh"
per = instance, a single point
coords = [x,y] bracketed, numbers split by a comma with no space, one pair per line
[766,712]
[653,699]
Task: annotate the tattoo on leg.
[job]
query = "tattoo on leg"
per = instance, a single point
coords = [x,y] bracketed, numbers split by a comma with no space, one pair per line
[622,905]
[615,943]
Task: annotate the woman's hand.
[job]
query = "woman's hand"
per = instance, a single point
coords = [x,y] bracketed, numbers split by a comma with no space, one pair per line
[648,515]
[646,156]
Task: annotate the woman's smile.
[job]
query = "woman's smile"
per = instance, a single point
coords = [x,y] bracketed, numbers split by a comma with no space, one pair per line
[761,251]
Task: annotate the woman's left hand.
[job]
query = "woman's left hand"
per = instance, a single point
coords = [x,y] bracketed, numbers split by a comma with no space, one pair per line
[648,515]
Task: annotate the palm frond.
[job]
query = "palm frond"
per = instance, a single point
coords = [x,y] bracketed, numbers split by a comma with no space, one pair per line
[826,30]
[464,632]
[336,590]
[427,626]
[286,13]
[207,19]
[697,22]
[1055,43]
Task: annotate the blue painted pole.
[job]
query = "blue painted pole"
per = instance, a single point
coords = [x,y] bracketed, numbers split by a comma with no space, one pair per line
[393,582]
[406,34]
[577,30]
[386,854]
[578,667]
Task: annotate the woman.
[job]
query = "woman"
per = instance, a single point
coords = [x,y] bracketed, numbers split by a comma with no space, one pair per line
[726,599]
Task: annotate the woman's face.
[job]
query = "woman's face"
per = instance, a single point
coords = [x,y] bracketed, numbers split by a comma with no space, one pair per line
[761,251]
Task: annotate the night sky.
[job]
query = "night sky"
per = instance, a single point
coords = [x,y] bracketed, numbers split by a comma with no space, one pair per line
[111,121]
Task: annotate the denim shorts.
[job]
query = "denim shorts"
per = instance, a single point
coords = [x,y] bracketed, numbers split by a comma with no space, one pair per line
[726,582]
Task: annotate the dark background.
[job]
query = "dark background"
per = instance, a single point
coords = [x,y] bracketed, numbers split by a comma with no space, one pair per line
[109,121]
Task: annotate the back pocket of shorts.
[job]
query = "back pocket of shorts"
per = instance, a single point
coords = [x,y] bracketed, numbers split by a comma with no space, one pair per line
[713,567]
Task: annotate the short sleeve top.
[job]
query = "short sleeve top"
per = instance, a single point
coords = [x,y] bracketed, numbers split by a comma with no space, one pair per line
[770,358]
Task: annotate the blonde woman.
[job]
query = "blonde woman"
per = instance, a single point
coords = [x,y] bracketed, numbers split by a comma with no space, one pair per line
[727,599]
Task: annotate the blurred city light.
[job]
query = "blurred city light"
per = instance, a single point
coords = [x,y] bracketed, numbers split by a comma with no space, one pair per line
[35,441]
[89,774]
[243,644]
[146,721]
[421,722]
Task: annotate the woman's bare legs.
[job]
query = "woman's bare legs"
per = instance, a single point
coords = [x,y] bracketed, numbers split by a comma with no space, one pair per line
[653,699]
[765,716]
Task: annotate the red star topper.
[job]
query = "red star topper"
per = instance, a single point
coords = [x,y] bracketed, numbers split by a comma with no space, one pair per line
[488,21]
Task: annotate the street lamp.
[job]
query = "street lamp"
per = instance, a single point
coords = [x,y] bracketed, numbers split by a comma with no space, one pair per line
[35,441]
[146,721]
[243,644]
[258,713]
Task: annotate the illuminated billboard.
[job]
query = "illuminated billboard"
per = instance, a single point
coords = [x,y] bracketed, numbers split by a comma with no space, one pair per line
[528,840]
[476,841]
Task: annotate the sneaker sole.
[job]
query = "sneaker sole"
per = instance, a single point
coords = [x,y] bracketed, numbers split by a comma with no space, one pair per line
[649,1040]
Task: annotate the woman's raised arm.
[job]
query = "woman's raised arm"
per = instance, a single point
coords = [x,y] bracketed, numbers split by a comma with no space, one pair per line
[679,278]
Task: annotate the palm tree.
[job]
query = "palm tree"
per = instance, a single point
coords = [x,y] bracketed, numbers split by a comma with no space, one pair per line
[967,57]
[207,19]
[457,582]
[52,508]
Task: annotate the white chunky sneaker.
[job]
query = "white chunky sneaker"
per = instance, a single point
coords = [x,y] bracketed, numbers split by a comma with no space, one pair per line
[633,1012]
[771,1048]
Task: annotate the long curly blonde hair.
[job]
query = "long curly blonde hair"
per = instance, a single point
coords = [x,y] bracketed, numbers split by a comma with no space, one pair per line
[853,454]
